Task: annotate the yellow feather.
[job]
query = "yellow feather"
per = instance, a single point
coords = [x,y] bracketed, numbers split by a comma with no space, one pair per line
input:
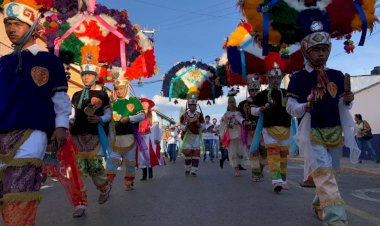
[369,10]
[30,3]
[236,37]
[88,50]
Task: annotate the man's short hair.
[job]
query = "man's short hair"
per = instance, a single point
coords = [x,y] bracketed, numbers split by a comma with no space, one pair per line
[207,116]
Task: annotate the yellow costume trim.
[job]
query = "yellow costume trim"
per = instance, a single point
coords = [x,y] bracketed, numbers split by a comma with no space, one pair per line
[279,132]
[284,148]
[90,154]
[8,157]
[271,145]
[25,161]
[335,202]
[292,95]
[142,111]
[323,171]
[130,174]
[22,197]
[329,137]
[60,88]
[110,172]
[129,163]
[113,142]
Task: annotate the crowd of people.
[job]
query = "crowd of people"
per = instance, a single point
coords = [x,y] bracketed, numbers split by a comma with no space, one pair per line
[124,131]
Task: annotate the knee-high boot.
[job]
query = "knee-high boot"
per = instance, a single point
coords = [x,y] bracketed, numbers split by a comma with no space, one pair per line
[150,172]
[144,170]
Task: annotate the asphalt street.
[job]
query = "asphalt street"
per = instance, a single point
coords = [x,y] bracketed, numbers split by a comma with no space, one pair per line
[214,197]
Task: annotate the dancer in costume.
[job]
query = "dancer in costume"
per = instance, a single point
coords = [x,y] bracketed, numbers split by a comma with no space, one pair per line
[151,132]
[257,158]
[231,127]
[270,105]
[319,93]
[91,114]
[127,114]
[34,108]
[192,123]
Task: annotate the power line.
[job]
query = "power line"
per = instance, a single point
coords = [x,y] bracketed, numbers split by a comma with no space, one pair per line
[186,17]
[202,9]
[196,21]
[179,10]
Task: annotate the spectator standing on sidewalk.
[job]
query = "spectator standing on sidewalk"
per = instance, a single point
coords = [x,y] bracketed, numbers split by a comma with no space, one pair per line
[172,142]
[364,137]
[208,139]
[216,144]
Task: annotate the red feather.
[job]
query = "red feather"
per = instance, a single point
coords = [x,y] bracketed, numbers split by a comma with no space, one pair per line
[143,66]
[341,13]
[295,62]
[110,48]
[274,57]
[234,78]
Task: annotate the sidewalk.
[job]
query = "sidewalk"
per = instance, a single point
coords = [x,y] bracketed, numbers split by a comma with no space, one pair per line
[367,167]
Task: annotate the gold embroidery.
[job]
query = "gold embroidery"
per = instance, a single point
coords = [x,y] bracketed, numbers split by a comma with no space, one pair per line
[329,137]
[335,202]
[22,196]
[279,132]
[6,158]
[25,161]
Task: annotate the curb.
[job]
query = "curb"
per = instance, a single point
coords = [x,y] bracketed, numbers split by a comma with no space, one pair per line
[347,169]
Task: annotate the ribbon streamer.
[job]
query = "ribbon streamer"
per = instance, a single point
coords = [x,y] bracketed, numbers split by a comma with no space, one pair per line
[256,138]
[264,9]
[364,22]
[58,41]
[242,58]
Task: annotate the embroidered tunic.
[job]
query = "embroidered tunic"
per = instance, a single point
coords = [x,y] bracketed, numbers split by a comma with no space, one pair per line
[42,75]
[122,108]
[81,123]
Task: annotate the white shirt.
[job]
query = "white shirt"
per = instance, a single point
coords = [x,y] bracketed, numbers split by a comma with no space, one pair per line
[208,135]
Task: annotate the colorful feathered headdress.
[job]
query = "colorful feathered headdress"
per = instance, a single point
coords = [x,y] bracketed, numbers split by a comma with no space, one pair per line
[277,22]
[26,11]
[192,95]
[90,60]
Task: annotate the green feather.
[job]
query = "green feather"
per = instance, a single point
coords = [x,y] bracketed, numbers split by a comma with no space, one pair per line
[70,49]
[283,19]
[180,90]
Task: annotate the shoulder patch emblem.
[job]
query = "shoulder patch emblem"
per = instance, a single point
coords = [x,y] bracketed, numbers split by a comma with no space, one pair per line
[130,107]
[40,75]
[332,89]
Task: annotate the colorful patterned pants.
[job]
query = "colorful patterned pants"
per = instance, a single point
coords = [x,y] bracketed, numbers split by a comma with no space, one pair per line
[327,192]
[277,162]
[192,157]
[127,159]
[20,182]
[258,161]
[94,168]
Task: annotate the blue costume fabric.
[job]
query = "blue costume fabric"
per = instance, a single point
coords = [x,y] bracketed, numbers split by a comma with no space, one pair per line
[324,113]
[42,75]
